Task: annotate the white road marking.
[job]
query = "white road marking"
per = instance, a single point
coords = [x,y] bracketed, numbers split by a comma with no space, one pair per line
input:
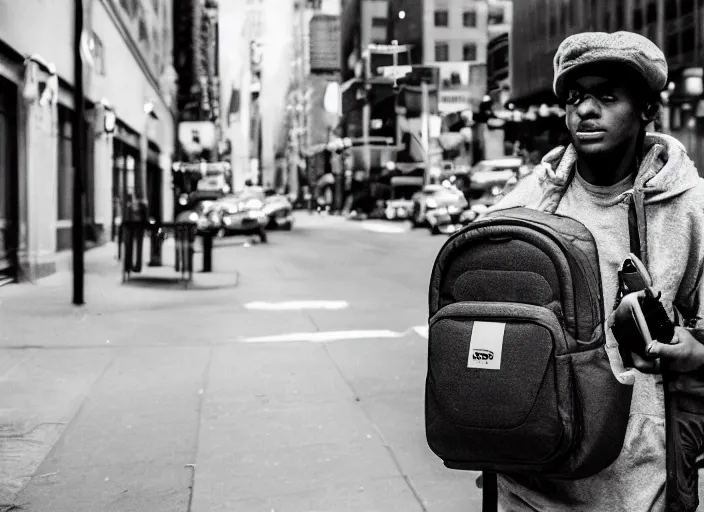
[323,337]
[385,227]
[298,305]
[421,330]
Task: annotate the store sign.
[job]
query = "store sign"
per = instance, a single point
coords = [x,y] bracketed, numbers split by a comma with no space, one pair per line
[195,136]
[455,101]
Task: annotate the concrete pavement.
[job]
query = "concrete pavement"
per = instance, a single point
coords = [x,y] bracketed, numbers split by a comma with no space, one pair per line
[291,381]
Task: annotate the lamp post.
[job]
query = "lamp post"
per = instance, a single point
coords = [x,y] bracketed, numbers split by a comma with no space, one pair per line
[78,143]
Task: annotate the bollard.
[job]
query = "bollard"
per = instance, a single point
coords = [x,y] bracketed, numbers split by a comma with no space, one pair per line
[155,247]
[207,252]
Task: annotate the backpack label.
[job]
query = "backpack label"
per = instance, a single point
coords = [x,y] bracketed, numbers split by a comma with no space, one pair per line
[485,345]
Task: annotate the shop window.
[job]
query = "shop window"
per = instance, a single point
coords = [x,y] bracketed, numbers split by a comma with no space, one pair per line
[378,22]
[442,52]
[469,52]
[469,18]
[441,18]
[65,163]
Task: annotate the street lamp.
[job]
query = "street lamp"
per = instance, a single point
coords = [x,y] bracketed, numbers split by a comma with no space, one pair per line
[401,15]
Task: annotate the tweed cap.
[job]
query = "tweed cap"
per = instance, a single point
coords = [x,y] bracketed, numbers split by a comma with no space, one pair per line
[627,48]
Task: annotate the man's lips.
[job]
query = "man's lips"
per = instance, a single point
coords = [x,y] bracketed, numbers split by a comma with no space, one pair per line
[590,134]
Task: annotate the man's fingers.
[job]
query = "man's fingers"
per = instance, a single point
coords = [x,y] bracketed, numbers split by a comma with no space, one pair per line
[661,349]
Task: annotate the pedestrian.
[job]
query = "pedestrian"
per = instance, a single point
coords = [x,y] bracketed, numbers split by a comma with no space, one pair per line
[611,84]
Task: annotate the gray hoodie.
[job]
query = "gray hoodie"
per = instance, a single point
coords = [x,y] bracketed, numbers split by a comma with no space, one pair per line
[669,196]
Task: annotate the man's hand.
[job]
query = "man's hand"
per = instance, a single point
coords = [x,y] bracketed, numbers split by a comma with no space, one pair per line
[684,354]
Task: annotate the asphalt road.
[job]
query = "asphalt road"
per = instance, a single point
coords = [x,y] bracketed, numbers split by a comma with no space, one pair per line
[289,380]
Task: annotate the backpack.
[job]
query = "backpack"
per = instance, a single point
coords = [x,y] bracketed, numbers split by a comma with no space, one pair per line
[518,378]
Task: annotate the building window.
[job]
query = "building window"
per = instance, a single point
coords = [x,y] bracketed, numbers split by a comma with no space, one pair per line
[469,18]
[442,52]
[651,13]
[686,7]
[441,18]
[552,28]
[637,19]
[620,9]
[670,10]
[672,45]
[143,34]
[469,52]
[378,22]
[688,40]
[496,15]
[65,164]
[98,53]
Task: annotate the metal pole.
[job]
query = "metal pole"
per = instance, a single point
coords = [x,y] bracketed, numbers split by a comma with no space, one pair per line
[366,114]
[78,236]
[425,130]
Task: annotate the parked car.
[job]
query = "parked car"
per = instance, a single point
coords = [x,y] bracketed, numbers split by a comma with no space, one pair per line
[439,208]
[242,214]
[398,209]
[488,178]
[203,214]
[279,210]
[478,208]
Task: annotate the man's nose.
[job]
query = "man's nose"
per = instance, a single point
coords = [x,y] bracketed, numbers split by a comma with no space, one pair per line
[588,107]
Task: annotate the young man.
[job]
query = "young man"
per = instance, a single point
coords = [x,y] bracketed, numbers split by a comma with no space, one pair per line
[610,84]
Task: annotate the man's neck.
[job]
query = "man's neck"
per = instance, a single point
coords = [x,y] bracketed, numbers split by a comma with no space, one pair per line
[609,169]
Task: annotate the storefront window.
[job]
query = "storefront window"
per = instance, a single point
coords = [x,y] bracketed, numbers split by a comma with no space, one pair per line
[65,163]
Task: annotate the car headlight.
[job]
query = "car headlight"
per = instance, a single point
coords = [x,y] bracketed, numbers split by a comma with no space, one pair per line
[496,190]
[431,203]
[193,217]
[227,221]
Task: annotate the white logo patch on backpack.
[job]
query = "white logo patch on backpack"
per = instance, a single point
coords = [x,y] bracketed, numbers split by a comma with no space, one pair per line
[485,345]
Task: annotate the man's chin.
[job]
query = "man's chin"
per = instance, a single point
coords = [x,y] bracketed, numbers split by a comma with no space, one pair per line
[591,148]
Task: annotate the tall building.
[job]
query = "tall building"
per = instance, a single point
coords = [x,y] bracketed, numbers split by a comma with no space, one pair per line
[130,127]
[196,57]
[674,25]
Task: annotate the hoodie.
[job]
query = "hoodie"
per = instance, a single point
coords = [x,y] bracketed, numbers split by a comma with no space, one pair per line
[669,199]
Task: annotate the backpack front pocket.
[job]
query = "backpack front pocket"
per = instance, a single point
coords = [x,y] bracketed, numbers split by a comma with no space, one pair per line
[498,392]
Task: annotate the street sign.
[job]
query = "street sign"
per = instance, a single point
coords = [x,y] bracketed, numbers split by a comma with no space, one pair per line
[389,49]
[394,71]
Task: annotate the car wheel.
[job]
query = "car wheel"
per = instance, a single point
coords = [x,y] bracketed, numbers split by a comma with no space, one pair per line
[263,236]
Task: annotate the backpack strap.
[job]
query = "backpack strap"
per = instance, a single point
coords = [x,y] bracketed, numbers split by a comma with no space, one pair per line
[490,492]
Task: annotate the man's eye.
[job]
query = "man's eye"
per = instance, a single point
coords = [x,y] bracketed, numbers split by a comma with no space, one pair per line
[573,97]
[607,98]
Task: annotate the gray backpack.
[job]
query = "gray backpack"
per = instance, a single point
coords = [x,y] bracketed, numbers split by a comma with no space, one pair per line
[518,379]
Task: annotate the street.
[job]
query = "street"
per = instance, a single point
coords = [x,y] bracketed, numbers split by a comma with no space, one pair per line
[291,379]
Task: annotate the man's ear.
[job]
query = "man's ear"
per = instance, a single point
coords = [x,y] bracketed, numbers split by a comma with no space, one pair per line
[650,112]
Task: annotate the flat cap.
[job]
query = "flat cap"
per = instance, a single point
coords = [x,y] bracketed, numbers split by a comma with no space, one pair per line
[627,48]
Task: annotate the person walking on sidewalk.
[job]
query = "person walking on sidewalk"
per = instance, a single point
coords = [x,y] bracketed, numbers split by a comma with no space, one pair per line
[611,84]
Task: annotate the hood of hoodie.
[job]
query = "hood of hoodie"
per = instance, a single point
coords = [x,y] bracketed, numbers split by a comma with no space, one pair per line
[667,173]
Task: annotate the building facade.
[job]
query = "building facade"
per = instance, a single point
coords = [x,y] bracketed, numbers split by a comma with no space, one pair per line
[127,64]
[674,25]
